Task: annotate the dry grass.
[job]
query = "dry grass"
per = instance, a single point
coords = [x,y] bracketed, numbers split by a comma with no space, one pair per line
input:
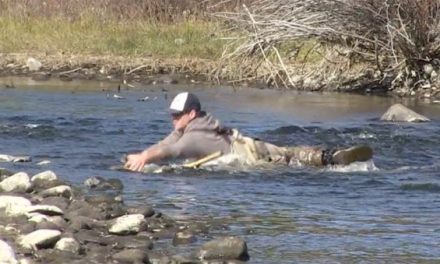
[160,11]
[131,38]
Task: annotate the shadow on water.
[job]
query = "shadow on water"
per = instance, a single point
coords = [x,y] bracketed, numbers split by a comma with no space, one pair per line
[385,212]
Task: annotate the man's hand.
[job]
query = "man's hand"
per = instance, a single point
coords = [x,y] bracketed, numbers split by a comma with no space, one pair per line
[136,162]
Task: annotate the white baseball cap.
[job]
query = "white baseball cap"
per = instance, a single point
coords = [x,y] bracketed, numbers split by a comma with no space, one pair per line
[185,102]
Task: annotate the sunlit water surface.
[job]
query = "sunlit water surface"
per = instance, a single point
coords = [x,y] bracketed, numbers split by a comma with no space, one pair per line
[386,211]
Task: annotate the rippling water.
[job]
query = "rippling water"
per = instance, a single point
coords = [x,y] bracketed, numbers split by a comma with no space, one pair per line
[382,212]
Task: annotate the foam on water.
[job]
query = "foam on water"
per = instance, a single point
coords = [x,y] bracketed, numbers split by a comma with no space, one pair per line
[353,167]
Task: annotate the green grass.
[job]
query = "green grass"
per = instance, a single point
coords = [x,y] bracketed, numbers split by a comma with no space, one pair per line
[90,36]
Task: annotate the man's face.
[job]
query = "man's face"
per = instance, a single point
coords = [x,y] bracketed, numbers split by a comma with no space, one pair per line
[181,120]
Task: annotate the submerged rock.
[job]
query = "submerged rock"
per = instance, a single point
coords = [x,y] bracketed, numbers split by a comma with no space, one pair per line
[225,249]
[183,238]
[97,182]
[9,158]
[400,113]
[131,256]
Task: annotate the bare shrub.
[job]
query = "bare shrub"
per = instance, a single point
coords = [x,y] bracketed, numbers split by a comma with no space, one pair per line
[399,37]
[147,10]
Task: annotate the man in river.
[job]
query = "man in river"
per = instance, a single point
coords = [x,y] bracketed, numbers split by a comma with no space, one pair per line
[197,134]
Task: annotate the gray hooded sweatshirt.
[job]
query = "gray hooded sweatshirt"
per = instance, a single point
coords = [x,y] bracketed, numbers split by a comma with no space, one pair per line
[201,137]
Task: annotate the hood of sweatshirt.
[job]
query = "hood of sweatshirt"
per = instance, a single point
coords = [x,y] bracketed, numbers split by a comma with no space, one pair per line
[205,122]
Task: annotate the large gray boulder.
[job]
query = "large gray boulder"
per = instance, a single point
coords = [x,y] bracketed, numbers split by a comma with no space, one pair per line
[42,238]
[14,205]
[7,254]
[62,190]
[227,248]
[44,176]
[19,182]
[401,113]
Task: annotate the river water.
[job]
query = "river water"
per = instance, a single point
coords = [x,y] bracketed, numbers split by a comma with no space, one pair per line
[385,211]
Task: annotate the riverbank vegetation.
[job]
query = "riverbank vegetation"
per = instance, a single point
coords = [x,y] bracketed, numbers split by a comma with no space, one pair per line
[392,44]
[171,29]
[352,45]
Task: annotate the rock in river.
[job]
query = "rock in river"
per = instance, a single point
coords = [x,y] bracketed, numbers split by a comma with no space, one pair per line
[227,248]
[401,113]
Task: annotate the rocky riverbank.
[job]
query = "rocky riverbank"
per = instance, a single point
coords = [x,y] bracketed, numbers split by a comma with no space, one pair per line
[46,220]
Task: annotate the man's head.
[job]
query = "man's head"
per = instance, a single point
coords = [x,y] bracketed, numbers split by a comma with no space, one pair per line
[184,108]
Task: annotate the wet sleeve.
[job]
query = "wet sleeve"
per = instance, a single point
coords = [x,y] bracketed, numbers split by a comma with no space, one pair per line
[172,138]
[188,146]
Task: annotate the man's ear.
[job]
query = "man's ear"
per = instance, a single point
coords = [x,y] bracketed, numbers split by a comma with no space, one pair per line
[193,114]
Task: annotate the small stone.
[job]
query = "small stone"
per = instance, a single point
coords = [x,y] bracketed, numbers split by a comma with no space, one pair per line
[62,190]
[131,256]
[33,64]
[179,41]
[49,210]
[43,238]
[127,224]
[224,248]
[37,217]
[427,68]
[68,244]
[44,162]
